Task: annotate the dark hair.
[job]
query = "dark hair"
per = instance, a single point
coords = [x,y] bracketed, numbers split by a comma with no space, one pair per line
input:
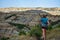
[44,16]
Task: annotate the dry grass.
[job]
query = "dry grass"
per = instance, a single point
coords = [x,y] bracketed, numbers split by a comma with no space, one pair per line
[53,34]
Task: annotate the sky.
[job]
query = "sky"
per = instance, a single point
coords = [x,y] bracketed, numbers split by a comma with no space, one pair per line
[29,3]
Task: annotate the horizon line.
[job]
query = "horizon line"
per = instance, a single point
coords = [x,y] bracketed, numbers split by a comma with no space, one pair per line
[29,7]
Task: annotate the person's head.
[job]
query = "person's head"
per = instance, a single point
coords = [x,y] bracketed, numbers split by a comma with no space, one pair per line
[44,16]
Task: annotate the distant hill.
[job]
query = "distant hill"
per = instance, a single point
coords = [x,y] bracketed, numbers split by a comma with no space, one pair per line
[53,11]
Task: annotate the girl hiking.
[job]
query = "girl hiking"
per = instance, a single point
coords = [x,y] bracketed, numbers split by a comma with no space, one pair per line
[44,24]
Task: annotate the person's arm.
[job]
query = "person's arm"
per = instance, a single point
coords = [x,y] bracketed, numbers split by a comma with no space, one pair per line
[48,22]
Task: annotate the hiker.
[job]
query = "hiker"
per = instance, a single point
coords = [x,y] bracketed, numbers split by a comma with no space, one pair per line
[44,24]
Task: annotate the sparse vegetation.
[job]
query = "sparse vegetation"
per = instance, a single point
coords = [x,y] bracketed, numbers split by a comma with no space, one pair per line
[4,38]
[22,32]
[19,26]
[31,16]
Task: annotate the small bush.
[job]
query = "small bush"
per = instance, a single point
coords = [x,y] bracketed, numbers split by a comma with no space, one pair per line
[49,27]
[4,38]
[36,31]
[22,32]
[19,26]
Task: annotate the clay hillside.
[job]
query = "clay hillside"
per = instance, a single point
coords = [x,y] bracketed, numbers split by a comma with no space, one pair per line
[12,20]
[28,15]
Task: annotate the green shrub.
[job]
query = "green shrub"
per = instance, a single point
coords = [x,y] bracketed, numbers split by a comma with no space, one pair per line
[4,38]
[19,26]
[49,27]
[58,26]
[36,31]
[22,32]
